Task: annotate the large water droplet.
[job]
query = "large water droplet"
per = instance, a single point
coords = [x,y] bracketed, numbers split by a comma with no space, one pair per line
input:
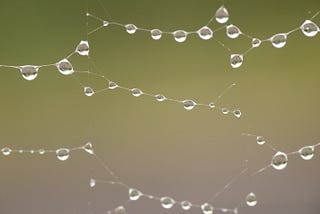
[261,140]
[131,28]
[6,151]
[167,202]
[180,35]
[112,85]
[222,15]
[207,208]
[156,34]
[92,183]
[279,161]
[233,31]
[29,72]
[255,42]
[63,154]
[65,67]
[186,205]
[237,113]
[120,210]
[136,92]
[83,48]
[307,152]
[189,104]
[88,91]
[205,33]
[236,60]
[88,148]
[160,97]
[251,199]
[134,194]
[309,28]
[279,40]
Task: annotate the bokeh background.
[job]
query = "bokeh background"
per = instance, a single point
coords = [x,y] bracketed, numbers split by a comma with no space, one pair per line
[159,148]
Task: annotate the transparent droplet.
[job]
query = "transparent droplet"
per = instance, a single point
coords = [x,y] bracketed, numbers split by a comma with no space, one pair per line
[205,33]
[180,35]
[212,105]
[235,211]
[88,148]
[222,15]
[112,85]
[65,67]
[92,183]
[88,91]
[279,161]
[134,194]
[279,40]
[207,208]
[105,23]
[224,210]
[83,48]
[251,199]
[225,111]
[307,152]
[31,151]
[309,28]
[255,42]
[29,72]
[131,28]
[237,113]
[63,154]
[233,31]
[20,151]
[41,151]
[167,202]
[136,92]
[261,140]
[186,205]
[236,60]
[156,34]
[160,97]
[6,151]
[120,210]
[189,104]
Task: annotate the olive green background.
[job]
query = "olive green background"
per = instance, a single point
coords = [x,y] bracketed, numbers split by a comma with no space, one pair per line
[159,148]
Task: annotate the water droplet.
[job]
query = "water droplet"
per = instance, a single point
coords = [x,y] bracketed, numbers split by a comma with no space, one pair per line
[156,34]
[83,48]
[136,92]
[112,85]
[235,211]
[160,97]
[65,67]
[237,113]
[105,23]
[222,15]
[20,151]
[279,161]
[256,42]
[186,205]
[261,140]
[29,72]
[41,151]
[207,208]
[233,31]
[63,154]
[225,111]
[92,183]
[88,91]
[131,28]
[205,33]
[224,210]
[6,151]
[212,105]
[180,35]
[120,210]
[236,60]
[134,194]
[279,40]
[309,28]
[167,202]
[251,199]
[307,152]
[88,148]
[189,104]
[31,151]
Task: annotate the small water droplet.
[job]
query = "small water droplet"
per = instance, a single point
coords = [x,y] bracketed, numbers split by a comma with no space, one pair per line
[224,210]
[236,60]
[235,211]
[88,148]
[279,161]
[131,28]
[222,15]
[261,140]
[212,105]
[83,48]
[156,34]
[105,23]
[307,152]
[20,151]
[279,40]
[29,72]
[136,92]
[309,28]
[207,208]
[237,113]
[134,194]
[112,85]
[120,210]
[92,183]
[6,151]
[205,33]
[251,199]
[233,31]
[160,97]
[225,111]
[256,42]
[31,151]
[88,91]
[186,205]
[167,202]
[180,35]
[65,67]
[189,104]
[41,151]
[63,154]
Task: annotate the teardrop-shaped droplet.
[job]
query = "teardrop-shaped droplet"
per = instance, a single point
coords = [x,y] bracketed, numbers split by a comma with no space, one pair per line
[189,104]
[233,31]
[186,205]
[212,105]
[237,113]
[309,28]
[65,67]
[207,208]
[105,23]
[279,40]
[261,140]
[225,111]
[167,202]
[136,92]
[83,48]
[120,210]
[131,28]
[222,15]
[41,151]
[251,199]
[160,97]
[205,33]
[63,154]
[256,42]
[88,148]
[279,161]
[6,151]
[112,85]
[88,91]
[29,72]
[180,35]
[307,152]
[156,34]
[92,183]
[236,60]
[134,194]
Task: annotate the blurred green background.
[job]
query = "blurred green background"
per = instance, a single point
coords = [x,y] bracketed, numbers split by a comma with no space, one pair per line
[159,148]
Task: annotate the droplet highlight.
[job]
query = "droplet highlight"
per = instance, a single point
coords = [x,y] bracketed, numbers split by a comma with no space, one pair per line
[63,154]
[6,151]
[309,28]
[205,33]
[237,113]
[136,92]
[233,31]
[186,205]
[65,67]
[180,35]
[222,15]
[131,28]
[279,40]
[279,161]
[29,72]
[88,148]
[189,104]
[92,183]
[255,42]
[207,208]
[160,97]
[307,152]
[236,60]
[156,34]
[251,199]
[83,48]
[112,85]
[167,202]
[134,194]
[88,91]
[261,140]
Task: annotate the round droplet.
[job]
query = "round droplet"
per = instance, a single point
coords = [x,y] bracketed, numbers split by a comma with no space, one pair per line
[83,48]
[186,205]
[237,113]
[63,154]
[279,161]
[88,91]
[134,194]
[222,15]
[236,60]
[261,140]
[167,202]
[65,67]
[112,85]
[6,151]
[156,34]
[131,28]
[207,208]
[255,42]
[205,33]
[41,151]
[120,210]
[235,211]
[160,97]
[307,152]
[180,35]
[29,72]
[251,199]
[88,148]
[189,104]
[233,31]
[31,151]
[212,105]
[20,151]
[92,183]
[279,40]
[309,28]
[225,111]
[136,92]
[105,23]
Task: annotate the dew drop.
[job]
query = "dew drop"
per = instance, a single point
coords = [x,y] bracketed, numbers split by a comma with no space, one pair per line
[189,104]
[222,15]
[225,111]
[236,60]
[112,85]
[88,91]
[92,183]
[120,210]
[136,92]
[180,35]
[6,151]
[186,205]
[212,105]
[167,202]
[20,151]
[251,199]
[279,40]
[309,28]
[256,42]
[105,23]
[156,34]
[83,48]
[88,148]
[207,208]
[307,152]
[31,151]
[65,67]
[205,33]
[29,72]
[41,151]
[261,140]
[235,211]
[134,194]
[160,97]
[131,28]
[63,154]
[237,113]
[279,161]
[233,31]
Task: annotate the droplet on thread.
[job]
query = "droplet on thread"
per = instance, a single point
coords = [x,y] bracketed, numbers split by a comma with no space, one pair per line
[41,151]
[88,91]
[225,111]
[88,148]
[160,97]
[279,161]
[29,72]
[261,140]
[251,199]
[120,210]
[186,205]
[279,40]
[83,48]
[63,154]
[134,194]
[180,35]
[309,28]
[237,113]
[6,151]
[167,202]
[131,28]
[236,60]
[136,92]
[112,85]
[92,183]
[212,105]
[222,15]
[156,34]
[207,208]
[105,23]
[189,104]
[205,33]
[307,152]
[233,31]
[256,42]
[65,67]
